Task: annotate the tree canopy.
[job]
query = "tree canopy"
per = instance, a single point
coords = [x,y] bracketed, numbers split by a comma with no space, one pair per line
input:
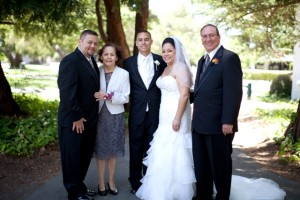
[268,27]
[29,15]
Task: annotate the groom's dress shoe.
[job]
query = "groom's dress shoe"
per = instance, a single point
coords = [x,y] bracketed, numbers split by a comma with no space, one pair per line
[133,191]
[85,197]
[90,193]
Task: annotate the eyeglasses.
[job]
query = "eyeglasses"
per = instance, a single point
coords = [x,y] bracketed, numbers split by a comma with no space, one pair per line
[210,36]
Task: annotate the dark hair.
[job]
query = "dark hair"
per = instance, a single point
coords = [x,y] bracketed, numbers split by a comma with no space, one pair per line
[168,40]
[217,30]
[87,32]
[118,52]
[142,31]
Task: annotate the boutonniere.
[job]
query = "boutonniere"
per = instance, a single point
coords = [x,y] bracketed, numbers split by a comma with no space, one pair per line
[215,61]
[109,96]
[157,63]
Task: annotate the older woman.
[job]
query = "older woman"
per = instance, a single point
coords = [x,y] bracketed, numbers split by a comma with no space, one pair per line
[110,139]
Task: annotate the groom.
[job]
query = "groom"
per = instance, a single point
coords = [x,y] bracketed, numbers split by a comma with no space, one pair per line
[144,69]
[217,100]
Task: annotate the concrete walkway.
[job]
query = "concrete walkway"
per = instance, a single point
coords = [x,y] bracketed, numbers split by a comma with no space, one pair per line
[243,165]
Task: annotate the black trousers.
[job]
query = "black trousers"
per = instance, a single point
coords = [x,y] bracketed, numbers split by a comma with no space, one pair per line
[140,137]
[76,152]
[213,164]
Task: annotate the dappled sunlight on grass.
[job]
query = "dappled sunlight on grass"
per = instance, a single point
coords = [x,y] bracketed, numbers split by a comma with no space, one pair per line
[40,80]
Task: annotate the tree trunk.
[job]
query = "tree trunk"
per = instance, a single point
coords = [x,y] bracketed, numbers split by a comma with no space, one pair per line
[100,21]
[115,31]
[141,20]
[296,127]
[8,105]
[14,61]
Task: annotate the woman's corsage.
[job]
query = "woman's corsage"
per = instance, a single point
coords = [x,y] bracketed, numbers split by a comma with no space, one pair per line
[109,96]
[215,61]
[157,63]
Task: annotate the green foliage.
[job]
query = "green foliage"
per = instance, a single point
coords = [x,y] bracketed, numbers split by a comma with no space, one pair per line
[281,86]
[266,27]
[21,136]
[266,75]
[30,15]
[44,28]
[289,149]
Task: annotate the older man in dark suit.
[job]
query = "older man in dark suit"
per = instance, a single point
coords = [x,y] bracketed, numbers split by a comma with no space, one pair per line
[217,99]
[78,80]
[144,69]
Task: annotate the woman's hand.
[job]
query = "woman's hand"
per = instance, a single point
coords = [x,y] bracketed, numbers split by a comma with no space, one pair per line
[176,124]
[99,95]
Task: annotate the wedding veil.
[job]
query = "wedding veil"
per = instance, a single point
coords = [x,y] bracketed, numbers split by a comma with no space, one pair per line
[182,67]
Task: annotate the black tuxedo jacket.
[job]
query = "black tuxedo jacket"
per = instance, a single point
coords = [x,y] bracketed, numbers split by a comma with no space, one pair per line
[77,82]
[218,94]
[140,95]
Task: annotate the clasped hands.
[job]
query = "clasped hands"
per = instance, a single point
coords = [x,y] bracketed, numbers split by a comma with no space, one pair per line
[99,95]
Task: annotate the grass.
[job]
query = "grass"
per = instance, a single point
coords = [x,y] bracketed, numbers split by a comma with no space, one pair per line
[37,80]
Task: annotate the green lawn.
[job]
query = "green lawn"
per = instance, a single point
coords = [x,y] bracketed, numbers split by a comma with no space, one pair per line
[38,80]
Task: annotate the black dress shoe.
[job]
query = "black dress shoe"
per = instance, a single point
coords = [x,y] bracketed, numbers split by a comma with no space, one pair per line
[113,192]
[133,191]
[85,197]
[90,193]
[102,193]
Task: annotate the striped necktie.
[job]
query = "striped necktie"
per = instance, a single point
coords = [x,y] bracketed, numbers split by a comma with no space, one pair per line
[206,63]
[91,62]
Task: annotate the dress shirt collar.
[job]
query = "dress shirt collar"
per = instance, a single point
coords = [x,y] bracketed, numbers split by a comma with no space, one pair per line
[141,58]
[88,58]
[212,53]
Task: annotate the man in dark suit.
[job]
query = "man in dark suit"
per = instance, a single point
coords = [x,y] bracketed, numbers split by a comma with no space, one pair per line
[78,80]
[217,99]
[144,69]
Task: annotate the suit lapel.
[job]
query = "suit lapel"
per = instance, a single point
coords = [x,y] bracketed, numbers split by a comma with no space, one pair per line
[88,65]
[199,69]
[156,71]
[211,67]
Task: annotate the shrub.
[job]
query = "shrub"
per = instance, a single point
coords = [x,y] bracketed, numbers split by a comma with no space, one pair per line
[281,86]
[21,136]
[266,75]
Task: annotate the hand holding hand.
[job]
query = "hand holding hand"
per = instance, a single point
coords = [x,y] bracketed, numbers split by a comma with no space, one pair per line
[99,95]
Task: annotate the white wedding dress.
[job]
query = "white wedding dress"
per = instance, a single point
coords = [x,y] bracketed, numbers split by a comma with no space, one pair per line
[170,173]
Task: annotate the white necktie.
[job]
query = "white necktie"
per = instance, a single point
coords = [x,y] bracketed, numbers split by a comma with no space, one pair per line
[145,74]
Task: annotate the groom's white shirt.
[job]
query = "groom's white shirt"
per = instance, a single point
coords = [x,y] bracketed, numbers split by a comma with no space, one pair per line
[146,72]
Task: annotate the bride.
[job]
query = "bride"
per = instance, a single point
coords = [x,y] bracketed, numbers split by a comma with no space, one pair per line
[170,172]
